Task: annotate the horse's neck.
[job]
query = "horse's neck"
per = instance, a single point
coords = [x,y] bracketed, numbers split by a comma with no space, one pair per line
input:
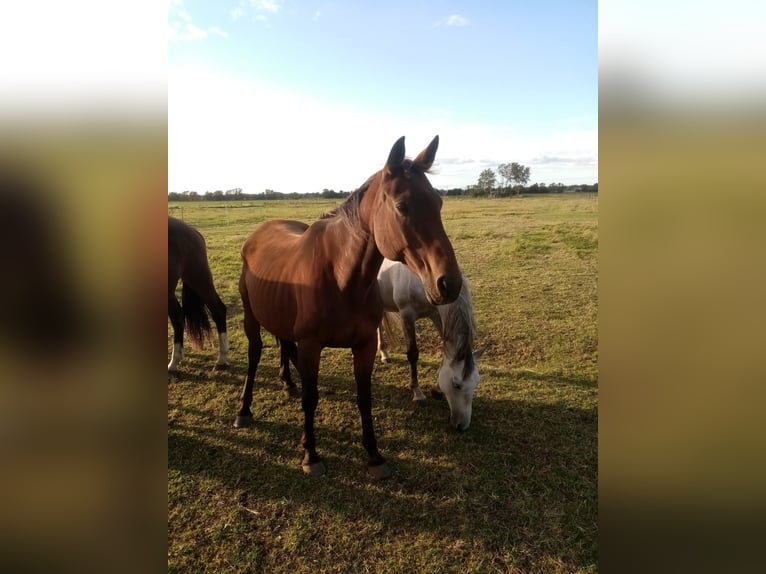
[359,259]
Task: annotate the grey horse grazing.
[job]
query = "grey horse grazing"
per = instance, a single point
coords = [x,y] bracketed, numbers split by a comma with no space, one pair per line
[403,293]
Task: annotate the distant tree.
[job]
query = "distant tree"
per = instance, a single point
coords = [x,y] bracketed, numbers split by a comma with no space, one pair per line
[514,173]
[486,181]
[504,171]
[519,175]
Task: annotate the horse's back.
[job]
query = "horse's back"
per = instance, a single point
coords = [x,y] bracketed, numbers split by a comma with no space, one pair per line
[274,237]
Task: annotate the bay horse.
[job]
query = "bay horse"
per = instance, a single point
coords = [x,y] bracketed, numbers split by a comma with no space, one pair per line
[315,286]
[458,377]
[187,261]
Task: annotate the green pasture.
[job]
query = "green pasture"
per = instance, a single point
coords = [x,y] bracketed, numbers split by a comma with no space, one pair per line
[516,492]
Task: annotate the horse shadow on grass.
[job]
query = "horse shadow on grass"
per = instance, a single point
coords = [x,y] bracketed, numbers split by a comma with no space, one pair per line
[521,480]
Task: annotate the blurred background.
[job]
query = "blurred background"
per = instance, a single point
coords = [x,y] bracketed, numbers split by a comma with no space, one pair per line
[83,174]
[682,279]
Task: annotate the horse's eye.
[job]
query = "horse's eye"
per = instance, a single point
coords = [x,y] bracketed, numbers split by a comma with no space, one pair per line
[403,208]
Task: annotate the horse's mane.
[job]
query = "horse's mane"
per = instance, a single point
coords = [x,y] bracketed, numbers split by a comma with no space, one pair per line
[459,327]
[349,209]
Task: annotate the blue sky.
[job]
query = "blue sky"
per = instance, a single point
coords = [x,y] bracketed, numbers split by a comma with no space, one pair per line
[302,96]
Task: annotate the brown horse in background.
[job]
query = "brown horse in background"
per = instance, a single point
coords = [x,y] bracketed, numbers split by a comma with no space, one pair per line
[316,286]
[187,261]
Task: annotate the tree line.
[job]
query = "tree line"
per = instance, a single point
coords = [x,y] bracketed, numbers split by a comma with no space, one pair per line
[510,180]
[237,193]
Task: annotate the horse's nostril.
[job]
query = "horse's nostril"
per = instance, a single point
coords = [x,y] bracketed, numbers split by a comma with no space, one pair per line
[443,285]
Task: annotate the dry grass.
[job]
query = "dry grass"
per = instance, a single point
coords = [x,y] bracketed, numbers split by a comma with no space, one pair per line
[517,492]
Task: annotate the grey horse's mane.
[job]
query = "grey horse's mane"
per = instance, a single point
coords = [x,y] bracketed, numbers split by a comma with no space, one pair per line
[459,328]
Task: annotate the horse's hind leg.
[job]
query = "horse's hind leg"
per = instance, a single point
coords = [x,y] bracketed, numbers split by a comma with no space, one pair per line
[200,280]
[288,351]
[217,309]
[218,312]
[254,347]
[413,354]
[176,314]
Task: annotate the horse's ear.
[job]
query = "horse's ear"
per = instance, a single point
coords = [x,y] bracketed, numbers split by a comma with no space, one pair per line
[477,354]
[426,157]
[396,157]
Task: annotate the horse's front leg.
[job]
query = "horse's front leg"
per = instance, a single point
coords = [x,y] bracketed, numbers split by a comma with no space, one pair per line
[308,367]
[364,359]
[254,348]
[413,354]
[383,345]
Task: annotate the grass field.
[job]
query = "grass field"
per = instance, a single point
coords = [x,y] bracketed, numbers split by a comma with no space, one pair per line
[517,492]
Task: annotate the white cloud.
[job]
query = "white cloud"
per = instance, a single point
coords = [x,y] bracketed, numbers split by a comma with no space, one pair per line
[225,133]
[261,9]
[271,6]
[181,28]
[453,20]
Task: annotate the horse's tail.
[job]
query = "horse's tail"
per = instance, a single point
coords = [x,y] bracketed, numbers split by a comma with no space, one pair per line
[195,318]
[391,327]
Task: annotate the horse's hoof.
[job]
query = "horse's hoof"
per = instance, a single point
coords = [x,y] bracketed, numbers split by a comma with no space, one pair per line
[421,402]
[221,367]
[379,471]
[243,421]
[313,469]
[291,392]
[385,360]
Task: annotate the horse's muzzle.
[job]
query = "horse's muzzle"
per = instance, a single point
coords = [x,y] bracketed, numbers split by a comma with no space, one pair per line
[458,426]
[449,288]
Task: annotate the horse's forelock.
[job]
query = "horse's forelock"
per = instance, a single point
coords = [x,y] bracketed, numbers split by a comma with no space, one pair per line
[410,167]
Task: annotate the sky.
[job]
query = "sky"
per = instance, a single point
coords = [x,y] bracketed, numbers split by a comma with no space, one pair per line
[301,96]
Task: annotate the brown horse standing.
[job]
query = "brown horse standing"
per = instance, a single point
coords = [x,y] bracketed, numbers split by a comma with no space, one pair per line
[187,261]
[316,286]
